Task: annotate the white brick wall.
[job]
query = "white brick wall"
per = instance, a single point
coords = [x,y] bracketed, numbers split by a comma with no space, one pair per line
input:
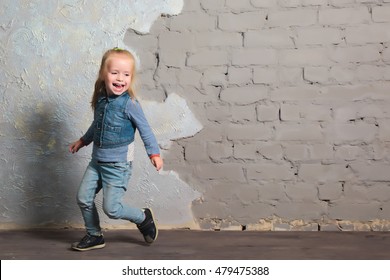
[294,97]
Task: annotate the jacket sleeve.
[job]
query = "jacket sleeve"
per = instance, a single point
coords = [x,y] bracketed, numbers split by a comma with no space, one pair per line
[137,117]
[87,138]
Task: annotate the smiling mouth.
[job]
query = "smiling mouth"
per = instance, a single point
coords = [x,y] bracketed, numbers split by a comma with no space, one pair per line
[118,86]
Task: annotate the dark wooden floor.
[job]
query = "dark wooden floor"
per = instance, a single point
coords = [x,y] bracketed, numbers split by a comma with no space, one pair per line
[197,245]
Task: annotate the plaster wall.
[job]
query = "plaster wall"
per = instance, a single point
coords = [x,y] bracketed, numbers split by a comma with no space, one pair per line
[271,115]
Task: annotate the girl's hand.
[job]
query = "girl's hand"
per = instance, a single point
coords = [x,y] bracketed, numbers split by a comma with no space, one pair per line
[76,146]
[157,162]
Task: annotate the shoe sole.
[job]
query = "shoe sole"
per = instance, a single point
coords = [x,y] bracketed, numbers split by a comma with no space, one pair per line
[89,248]
[155,224]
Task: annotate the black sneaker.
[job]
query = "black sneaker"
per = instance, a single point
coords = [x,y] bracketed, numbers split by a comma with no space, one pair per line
[89,242]
[148,227]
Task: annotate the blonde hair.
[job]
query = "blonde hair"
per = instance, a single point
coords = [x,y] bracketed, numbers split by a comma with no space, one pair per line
[100,86]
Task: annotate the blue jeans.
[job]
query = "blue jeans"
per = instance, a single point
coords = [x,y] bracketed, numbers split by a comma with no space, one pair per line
[113,178]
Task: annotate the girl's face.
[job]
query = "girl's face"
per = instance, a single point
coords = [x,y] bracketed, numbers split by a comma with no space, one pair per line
[118,74]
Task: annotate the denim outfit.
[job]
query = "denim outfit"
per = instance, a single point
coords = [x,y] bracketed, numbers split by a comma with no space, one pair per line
[116,118]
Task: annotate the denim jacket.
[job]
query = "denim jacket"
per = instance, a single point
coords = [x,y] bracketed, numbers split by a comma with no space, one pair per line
[115,122]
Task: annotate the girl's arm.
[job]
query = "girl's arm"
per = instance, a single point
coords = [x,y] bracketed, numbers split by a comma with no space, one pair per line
[157,162]
[137,116]
[85,140]
[76,146]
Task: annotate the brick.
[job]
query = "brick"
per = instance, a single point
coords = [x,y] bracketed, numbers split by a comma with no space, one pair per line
[305,56]
[372,172]
[271,151]
[176,41]
[369,73]
[348,16]
[173,58]
[244,95]
[256,56]
[147,60]
[289,112]
[260,210]
[244,113]
[262,75]
[341,3]
[268,171]
[381,14]
[384,131]
[212,132]
[298,132]
[152,94]
[193,22]
[195,95]
[253,150]
[208,58]
[139,42]
[373,33]
[298,17]
[348,210]
[241,22]
[175,153]
[239,76]
[189,77]
[239,6]
[219,151]
[289,3]
[215,76]
[292,112]
[218,113]
[147,78]
[330,191]
[302,192]
[249,132]
[295,93]
[225,191]
[191,6]
[356,192]
[292,76]
[167,76]
[342,74]
[346,113]
[305,210]
[351,133]
[263,3]
[215,5]
[384,213]
[297,152]
[227,171]
[372,110]
[361,54]
[272,191]
[275,38]
[318,112]
[248,150]
[355,92]
[330,227]
[314,2]
[321,152]
[267,113]
[218,39]
[316,74]
[318,36]
[281,227]
[324,173]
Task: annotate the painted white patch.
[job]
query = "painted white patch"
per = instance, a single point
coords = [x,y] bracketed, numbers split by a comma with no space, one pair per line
[49,57]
